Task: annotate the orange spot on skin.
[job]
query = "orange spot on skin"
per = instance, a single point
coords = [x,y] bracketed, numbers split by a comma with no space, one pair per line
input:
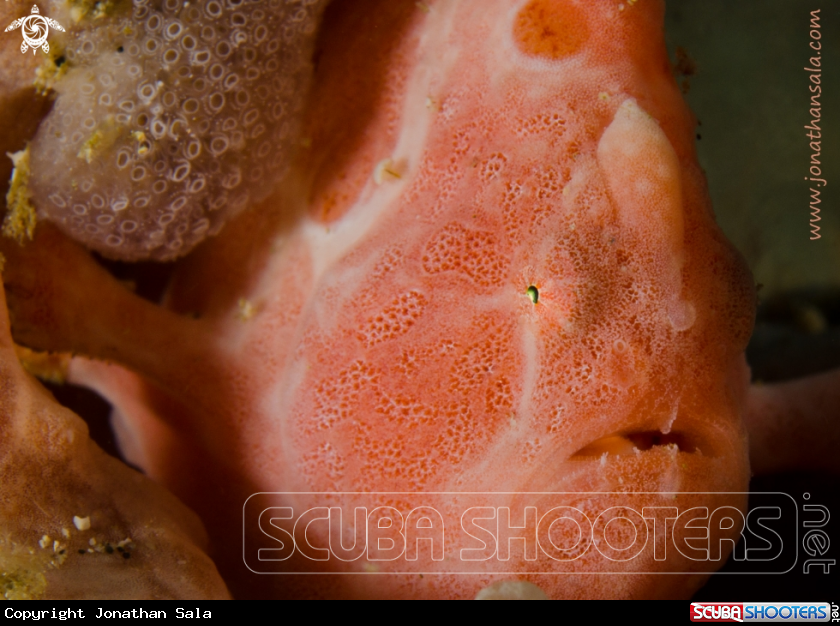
[552,29]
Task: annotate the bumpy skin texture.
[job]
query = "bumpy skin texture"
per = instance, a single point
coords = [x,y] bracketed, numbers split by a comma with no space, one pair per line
[50,473]
[171,118]
[371,328]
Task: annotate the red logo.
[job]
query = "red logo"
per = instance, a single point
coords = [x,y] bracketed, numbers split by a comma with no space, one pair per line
[717,612]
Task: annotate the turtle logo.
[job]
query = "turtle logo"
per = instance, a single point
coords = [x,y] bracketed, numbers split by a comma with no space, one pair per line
[35,28]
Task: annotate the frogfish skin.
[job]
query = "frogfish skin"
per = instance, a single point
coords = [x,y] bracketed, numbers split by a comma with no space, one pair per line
[493,268]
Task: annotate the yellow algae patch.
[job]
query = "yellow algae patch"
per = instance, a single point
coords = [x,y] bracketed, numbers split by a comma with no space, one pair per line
[22,573]
[551,29]
[22,584]
[49,72]
[91,146]
[20,214]
[50,367]
[246,310]
[95,9]
[143,144]
[387,170]
[101,139]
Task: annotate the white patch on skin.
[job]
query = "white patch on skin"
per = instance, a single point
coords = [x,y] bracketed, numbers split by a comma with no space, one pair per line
[531,369]
[328,246]
[512,590]
[643,175]
[682,315]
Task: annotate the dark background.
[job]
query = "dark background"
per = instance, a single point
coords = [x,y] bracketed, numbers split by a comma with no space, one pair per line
[750,94]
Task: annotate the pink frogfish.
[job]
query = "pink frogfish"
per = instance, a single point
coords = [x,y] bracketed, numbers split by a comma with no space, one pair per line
[492,280]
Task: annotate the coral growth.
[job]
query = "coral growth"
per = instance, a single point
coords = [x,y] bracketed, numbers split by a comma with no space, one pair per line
[77,523]
[169,119]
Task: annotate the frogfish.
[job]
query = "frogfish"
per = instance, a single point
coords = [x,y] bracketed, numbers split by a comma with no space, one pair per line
[468,264]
